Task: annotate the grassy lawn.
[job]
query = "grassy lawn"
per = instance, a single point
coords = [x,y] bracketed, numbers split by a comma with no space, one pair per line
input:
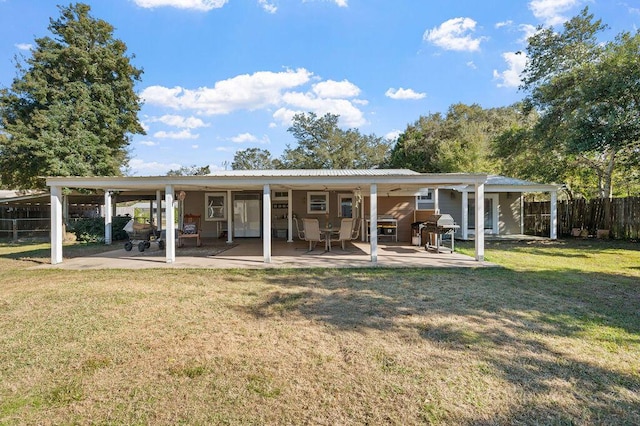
[550,337]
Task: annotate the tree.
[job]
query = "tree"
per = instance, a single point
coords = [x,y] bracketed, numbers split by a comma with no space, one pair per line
[461,141]
[190,171]
[252,159]
[324,145]
[72,107]
[587,94]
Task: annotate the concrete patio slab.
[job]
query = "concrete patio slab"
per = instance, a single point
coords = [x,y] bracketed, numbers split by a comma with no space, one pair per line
[247,254]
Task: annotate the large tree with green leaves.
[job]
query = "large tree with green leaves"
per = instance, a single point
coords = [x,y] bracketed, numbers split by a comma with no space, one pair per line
[322,144]
[588,95]
[460,141]
[72,108]
[253,159]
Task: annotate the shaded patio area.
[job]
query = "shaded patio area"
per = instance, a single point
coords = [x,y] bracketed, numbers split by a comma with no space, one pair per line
[247,254]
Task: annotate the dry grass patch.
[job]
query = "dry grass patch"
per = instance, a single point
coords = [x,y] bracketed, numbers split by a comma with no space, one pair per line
[488,346]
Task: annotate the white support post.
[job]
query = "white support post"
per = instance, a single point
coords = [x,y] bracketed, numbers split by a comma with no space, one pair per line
[373,223]
[290,216]
[479,222]
[56,225]
[436,200]
[553,233]
[266,221]
[465,215]
[159,209]
[107,217]
[170,231]
[521,213]
[229,218]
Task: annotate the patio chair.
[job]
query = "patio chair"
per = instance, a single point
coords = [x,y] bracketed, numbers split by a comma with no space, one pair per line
[346,230]
[300,231]
[312,232]
[190,229]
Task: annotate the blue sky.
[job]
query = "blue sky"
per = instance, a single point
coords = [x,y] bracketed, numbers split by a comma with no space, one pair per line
[226,75]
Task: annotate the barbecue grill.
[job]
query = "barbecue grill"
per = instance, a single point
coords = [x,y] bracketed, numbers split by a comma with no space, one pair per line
[436,226]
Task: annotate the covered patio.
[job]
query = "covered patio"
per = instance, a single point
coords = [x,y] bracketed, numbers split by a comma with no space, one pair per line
[367,186]
[247,254]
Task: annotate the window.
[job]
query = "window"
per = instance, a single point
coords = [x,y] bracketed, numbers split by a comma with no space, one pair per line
[317,202]
[424,201]
[215,206]
[280,195]
[345,202]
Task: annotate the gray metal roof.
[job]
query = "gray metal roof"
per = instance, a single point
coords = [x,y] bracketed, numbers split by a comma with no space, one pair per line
[314,172]
[504,180]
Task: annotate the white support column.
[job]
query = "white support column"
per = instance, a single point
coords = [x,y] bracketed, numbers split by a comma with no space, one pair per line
[170,231]
[229,217]
[480,222]
[266,223]
[436,200]
[56,225]
[159,209]
[290,216]
[553,234]
[521,213]
[107,217]
[465,215]
[373,223]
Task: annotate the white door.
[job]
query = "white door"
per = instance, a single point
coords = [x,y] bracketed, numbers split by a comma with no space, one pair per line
[491,213]
[246,215]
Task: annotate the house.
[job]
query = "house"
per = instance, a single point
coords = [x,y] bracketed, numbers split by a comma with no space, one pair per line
[263,203]
[503,205]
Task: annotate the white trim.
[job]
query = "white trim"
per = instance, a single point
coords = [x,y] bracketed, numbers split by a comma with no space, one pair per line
[290,216]
[373,224]
[170,234]
[349,196]
[479,239]
[56,225]
[495,225]
[107,218]
[210,212]
[326,202]
[229,218]
[553,232]
[266,223]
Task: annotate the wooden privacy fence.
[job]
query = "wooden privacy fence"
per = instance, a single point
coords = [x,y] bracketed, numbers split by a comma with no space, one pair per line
[620,216]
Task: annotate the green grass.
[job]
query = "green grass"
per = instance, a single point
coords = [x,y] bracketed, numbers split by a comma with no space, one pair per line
[552,336]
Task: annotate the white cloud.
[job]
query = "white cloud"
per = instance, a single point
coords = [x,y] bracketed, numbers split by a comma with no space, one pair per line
[510,77]
[149,143]
[264,90]
[179,121]
[297,102]
[201,5]
[404,94]
[393,135]
[454,34]
[528,30]
[184,134]
[340,3]
[472,65]
[244,138]
[142,168]
[195,146]
[336,89]
[507,23]
[268,7]
[250,92]
[551,11]
[24,46]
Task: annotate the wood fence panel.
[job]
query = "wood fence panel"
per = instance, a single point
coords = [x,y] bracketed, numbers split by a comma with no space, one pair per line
[621,216]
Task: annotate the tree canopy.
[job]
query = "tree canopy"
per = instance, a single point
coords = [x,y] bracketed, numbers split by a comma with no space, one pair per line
[253,159]
[460,141]
[190,171]
[587,93]
[324,145]
[72,107]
